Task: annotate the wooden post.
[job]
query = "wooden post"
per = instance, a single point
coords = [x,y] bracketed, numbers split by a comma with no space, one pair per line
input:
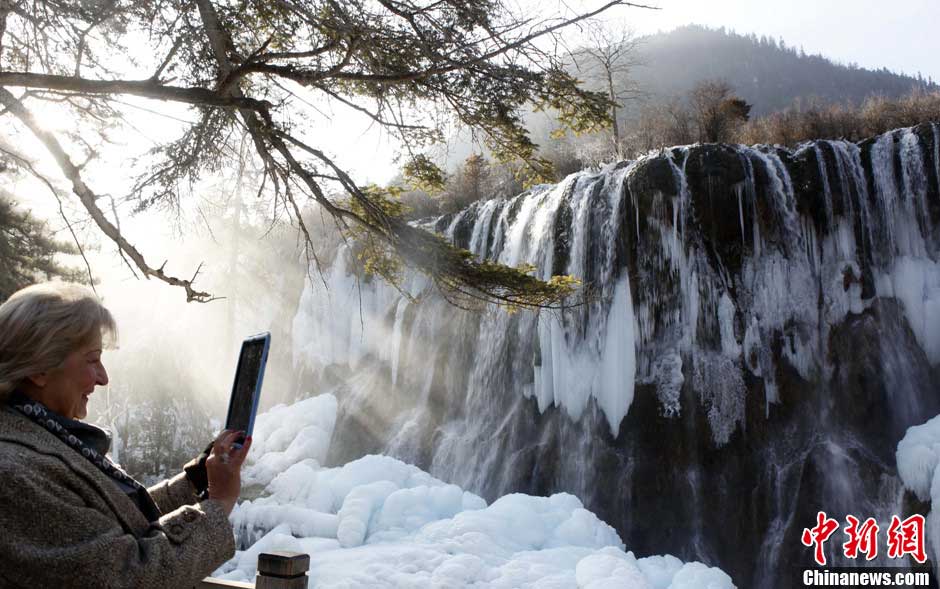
[282,570]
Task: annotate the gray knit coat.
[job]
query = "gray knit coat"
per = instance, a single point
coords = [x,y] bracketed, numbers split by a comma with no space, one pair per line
[64,523]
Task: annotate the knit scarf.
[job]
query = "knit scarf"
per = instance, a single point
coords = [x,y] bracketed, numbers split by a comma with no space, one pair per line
[93,447]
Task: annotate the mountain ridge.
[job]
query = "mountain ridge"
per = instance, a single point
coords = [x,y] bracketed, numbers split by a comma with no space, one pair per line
[766,72]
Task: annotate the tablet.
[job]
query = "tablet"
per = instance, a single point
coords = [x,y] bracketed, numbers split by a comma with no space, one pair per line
[246,391]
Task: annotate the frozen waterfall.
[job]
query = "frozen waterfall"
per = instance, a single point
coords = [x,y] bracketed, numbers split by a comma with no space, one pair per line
[765,325]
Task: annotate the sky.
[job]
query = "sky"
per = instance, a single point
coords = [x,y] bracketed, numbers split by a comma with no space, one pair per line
[900,35]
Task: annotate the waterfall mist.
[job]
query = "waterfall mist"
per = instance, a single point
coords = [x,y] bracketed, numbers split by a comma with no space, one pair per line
[172,369]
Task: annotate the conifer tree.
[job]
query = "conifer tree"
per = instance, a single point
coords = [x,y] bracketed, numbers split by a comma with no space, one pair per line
[27,252]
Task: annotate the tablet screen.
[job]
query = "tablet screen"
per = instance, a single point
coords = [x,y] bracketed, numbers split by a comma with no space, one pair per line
[250,366]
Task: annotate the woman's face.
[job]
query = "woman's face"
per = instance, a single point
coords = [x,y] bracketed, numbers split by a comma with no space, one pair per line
[65,389]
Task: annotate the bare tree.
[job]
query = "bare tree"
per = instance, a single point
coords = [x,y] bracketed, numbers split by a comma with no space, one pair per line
[611,56]
[661,124]
[717,110]
[251,67]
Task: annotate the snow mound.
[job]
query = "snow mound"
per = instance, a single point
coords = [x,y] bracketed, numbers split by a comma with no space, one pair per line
[917,455]
[286,435]
[378,522]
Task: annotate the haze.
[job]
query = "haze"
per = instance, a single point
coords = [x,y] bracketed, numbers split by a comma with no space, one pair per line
[902,39]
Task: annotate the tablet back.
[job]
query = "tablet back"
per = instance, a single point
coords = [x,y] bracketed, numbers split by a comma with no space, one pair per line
[246,390]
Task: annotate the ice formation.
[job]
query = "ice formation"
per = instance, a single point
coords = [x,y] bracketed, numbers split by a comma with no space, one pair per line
[284,436]
[378,522]
[918,456]
[588,356]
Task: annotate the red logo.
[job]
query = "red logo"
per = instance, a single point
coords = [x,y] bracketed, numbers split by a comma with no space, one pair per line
[862,538]
[905,537]
[818,535]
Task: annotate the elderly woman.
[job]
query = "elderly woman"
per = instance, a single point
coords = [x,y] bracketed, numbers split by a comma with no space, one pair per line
[69,517]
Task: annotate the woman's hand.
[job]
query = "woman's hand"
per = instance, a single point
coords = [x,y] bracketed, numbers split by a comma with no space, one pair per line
[224,467]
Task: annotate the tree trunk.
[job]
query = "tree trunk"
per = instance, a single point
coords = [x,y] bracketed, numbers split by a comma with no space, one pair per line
[618,151]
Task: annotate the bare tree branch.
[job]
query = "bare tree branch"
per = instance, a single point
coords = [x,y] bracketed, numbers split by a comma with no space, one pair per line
[166,60]
[88,198]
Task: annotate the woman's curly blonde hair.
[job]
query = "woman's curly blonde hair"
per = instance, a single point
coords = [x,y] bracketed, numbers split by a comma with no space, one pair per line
[41,324]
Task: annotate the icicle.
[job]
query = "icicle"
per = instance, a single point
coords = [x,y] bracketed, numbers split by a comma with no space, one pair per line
[824,178]
[397,336]
[936,151]
[916,223]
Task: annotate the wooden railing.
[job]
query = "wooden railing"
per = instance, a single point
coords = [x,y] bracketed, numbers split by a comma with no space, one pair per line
[276,570]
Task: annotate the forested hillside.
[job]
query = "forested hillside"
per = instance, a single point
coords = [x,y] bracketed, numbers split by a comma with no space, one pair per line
[767,73]
[692,84]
